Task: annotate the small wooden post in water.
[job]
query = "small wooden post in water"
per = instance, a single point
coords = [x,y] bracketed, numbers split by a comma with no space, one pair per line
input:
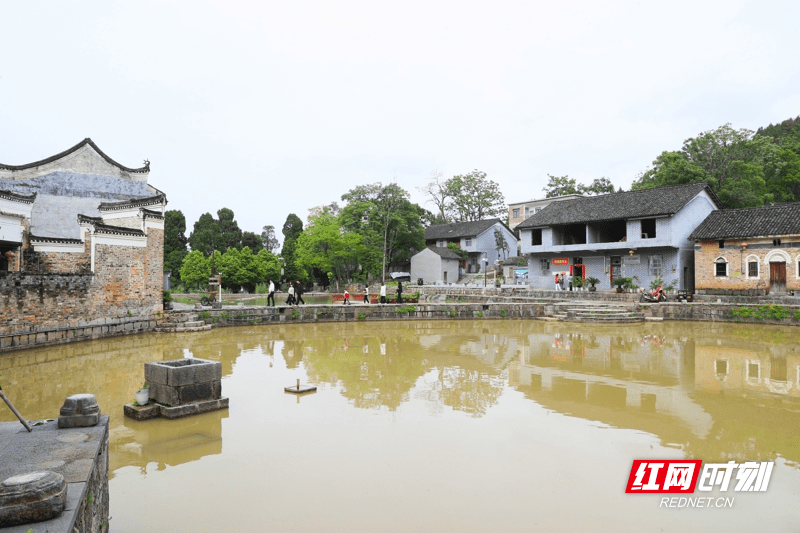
[298,383]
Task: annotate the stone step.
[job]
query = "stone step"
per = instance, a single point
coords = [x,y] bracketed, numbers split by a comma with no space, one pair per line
[182,317]
[181,329]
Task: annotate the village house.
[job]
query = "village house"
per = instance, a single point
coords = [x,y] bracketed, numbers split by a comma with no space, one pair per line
[81,240]
[754,251]
[435,265]
[478,238]
[640,234]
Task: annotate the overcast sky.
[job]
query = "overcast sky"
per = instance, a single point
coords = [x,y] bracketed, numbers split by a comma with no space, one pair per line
[270,108]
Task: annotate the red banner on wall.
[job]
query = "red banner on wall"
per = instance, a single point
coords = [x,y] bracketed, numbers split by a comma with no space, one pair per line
[560,261]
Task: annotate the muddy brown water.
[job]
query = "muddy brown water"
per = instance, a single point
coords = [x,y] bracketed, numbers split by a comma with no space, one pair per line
[439,426]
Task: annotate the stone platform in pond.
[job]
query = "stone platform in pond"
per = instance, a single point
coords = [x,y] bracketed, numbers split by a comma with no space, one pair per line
[179,388]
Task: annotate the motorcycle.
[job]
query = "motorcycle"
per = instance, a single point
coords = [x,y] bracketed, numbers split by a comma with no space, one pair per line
[655,296]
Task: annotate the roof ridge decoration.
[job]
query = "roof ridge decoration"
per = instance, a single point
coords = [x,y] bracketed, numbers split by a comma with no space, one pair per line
[149,213]
[133,202]
[143,170]
[16,197]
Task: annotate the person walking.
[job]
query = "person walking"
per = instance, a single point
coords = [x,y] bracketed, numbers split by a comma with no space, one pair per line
[366,294]
[346,297]
[399,292]
[561,281]
[290,299]
[383,292]
[298,293]
[558,286]
[271,293]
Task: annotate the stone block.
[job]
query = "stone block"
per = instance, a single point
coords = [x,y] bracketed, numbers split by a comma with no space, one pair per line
[164,394]
[193,409]
[79,410]
[32,497]
[142,412]
[198,392]
[155,373]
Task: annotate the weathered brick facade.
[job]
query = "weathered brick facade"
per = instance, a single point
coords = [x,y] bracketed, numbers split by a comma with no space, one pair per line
[76,274]
[746,265]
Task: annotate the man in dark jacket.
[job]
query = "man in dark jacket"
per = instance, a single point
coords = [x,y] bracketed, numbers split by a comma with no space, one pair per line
[298,293]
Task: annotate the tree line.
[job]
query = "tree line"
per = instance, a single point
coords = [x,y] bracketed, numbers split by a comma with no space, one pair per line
[377,226]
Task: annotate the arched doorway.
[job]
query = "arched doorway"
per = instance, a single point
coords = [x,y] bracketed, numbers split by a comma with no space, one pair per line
[777,260]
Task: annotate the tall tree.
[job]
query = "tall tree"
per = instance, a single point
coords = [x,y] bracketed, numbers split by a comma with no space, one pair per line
[252,241]
[230,234]
[206,235]
[292,229]
[269,240]
[175,242]
[196,269]
[474,197]
[386,219]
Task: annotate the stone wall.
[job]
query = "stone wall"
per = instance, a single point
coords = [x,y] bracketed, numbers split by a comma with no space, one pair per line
[92,515]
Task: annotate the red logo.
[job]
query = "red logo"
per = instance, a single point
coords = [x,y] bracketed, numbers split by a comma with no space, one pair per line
[663,476]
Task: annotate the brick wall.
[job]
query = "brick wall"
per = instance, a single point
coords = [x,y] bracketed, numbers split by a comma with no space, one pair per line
[762,251]
[127,283]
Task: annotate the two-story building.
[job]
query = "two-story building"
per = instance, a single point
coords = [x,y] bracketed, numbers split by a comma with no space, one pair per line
[520,211]
[638,234]
[751,251]
[478,238]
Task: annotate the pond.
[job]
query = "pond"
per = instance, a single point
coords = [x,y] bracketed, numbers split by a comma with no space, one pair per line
[439,426]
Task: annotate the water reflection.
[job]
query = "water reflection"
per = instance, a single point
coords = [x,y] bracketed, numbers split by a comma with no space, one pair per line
[713,392]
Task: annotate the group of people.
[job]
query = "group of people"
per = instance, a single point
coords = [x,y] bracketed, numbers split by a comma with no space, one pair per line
[382,294]
[561,279]
[295,293]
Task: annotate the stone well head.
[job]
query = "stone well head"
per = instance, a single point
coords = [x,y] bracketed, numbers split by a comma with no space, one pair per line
[183,381]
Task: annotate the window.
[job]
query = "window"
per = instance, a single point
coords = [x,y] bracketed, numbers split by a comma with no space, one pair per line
[752,269]
[722,244]
[536,237]
[721,269]
[648,228]
[776,242]
[516,213]
[467,242]
[656,266]
[441,244]
[544,266]
[537,209]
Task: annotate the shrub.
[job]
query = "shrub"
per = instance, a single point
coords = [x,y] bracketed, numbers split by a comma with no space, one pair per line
[362,316]
[503,313]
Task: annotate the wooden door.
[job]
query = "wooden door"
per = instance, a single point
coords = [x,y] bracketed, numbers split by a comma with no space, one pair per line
[777,277]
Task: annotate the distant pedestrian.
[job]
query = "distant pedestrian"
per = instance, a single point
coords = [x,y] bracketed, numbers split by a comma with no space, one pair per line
[290,299]
[569,281]
[561,281]
[366,294]
[271,293]
[383,292]
[298,293]
[558,286]
[399,292]
[346,297]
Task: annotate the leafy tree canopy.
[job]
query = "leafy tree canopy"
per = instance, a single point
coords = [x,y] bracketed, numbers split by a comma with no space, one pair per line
[175,242]
[564,185]
[269,240]
[464,198]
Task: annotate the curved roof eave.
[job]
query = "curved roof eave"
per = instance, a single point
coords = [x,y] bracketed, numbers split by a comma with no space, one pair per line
[87,140]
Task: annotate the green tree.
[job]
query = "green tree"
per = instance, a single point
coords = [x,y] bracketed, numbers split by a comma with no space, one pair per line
[474,197]
[597,187]
[205,236]
[196,269]
[242,268]
[175,242]
[782,175]
[230,234]
[292,229]
[389,224]
[560,186]
[269,240]
[252,241]
[325,247]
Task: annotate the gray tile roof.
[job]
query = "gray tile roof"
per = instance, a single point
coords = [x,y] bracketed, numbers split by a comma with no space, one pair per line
[446,253]
[459,229]
[661,201]
[769,220]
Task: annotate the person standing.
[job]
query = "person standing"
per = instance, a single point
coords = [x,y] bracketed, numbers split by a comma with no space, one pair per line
[298,293]
[366,294]
[399,292]
[271,293]
[558,286]
[569,282]
[346,297]
[290,299]
[561,281]
[383,292]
